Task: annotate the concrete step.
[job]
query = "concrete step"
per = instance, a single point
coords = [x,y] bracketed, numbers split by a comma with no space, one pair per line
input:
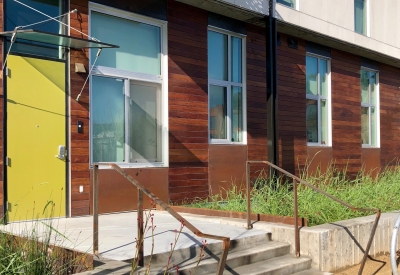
[236,257]
[312,271]
[191,254]
[283,265]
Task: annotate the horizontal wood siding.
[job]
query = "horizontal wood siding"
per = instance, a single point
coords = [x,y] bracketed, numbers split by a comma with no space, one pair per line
[346,111]
[188,102]
[79,155]
[257,142]
[389,83]
[292,105]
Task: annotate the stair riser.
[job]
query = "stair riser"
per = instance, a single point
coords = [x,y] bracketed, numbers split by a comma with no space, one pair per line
[283,270]
[239,261]
[181,255]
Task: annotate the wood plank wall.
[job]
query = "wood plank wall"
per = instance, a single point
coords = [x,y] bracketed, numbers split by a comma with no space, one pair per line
[256,97]
[188,102]
[79,156]
[256,94]
[292,105]
[346,111]
[389,85]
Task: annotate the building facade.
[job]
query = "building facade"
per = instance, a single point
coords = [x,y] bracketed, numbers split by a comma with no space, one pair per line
[182,103]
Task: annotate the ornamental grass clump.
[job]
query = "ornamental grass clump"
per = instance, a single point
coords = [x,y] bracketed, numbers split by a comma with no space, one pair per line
[275,196]
[34,254]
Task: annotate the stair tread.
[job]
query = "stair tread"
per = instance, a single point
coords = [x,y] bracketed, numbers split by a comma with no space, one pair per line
[273,265]
[233,254]
[312,271]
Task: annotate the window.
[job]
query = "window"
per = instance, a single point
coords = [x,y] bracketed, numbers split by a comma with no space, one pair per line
[226,91]
[369,108]
[128,90]
[19,15]
[361,16]
[318,100]
[289,3]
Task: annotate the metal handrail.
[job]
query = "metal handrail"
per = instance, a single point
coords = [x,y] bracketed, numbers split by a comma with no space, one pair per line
[297,180]
[141,190]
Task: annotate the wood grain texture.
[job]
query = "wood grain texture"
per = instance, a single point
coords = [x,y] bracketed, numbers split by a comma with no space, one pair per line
[188,102]
[292,106]
[79,155]
[346,111]
[389,84]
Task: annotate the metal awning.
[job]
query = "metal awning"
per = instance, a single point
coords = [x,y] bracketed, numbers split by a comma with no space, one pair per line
[57,39]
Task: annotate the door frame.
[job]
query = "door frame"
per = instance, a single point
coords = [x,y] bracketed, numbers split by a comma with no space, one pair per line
[67,129]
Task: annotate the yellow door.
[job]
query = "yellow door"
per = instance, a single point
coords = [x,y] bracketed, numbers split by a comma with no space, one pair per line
[36,171]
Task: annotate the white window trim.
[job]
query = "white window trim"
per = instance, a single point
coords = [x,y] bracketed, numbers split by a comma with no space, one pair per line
[139,77]
[377,110]
[328,98]
[228,84]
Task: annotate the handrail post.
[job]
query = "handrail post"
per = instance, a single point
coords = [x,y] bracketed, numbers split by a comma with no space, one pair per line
[371,238]
[140,237]
[249,226]
[296,221]
[95,209]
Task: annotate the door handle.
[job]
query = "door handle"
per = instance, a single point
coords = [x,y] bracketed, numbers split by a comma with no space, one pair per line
[62,152]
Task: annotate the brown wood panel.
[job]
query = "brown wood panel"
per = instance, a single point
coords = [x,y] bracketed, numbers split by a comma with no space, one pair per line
[79,155]
[188,102]
[319,158]
[291,106]
[371,161]
[257,148]
[346,114]
[118,194]
[227,167]
[390,108]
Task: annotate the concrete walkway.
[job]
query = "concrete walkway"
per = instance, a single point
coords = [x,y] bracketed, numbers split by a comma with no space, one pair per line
[118,231]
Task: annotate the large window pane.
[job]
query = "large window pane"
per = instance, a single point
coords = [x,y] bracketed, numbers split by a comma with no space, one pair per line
[373,82]
[218,105]
[312,75]
[144,125]
[19,15]
[237,115]
[312,120]
[365,125]
[374,129]
[324,122]
[323,72]
[364,86]
[236,59]
[139,44]
[217,56]
[108,119]
[360,16]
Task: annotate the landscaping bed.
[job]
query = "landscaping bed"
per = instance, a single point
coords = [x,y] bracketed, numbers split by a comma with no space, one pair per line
[276,198]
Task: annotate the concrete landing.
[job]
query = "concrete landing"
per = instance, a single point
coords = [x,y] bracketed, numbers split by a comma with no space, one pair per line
[117,233]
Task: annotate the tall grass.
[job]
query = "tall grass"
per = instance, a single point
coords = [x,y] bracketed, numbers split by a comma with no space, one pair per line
[34,254]
[276,196]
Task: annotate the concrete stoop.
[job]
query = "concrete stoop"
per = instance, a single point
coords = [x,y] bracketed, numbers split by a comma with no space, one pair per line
[256,255]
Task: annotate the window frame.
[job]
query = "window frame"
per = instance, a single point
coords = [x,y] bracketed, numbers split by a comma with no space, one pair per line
[296,5]
[367,18]
[228,84]
[318,98]
[369,105]
[129,77]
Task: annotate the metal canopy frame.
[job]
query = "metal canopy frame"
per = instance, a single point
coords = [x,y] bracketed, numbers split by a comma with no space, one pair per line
[57,39]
